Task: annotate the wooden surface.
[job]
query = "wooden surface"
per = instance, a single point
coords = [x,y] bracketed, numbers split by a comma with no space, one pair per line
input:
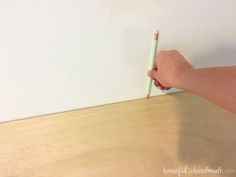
[138,138]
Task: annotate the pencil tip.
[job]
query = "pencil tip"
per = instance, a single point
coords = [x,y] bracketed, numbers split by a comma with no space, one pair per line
[148,96]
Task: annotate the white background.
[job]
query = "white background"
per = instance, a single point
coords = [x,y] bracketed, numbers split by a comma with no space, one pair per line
[59,55]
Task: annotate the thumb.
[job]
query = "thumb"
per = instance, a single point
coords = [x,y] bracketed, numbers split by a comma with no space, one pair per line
[153,74]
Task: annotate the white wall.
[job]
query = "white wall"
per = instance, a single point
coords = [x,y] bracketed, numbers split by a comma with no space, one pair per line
[58,55]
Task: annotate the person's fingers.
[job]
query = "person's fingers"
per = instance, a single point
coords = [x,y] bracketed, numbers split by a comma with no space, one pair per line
[153,74]
[156,83]
[162,87]
[161,55]
[154,66]
[167,88]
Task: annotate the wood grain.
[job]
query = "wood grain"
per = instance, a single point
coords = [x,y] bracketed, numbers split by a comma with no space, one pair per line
[138,138]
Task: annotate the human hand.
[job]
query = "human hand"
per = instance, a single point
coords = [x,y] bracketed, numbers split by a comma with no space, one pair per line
[169,69]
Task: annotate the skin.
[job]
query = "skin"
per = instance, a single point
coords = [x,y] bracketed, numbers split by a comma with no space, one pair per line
[217,84]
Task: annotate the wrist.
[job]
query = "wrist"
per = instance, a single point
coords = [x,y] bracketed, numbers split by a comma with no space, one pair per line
[185,78]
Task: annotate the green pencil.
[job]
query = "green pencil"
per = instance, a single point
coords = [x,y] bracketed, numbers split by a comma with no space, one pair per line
[151,62]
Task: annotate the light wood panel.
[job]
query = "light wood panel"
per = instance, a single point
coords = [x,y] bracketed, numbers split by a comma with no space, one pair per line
[130,139]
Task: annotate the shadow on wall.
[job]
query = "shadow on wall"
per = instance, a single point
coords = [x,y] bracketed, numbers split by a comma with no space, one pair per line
[219,56]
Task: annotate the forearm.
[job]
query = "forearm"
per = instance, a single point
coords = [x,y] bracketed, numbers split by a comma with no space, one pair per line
[216,84]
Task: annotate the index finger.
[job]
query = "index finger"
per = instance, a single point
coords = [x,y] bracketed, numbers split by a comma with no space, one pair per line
[155,64]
